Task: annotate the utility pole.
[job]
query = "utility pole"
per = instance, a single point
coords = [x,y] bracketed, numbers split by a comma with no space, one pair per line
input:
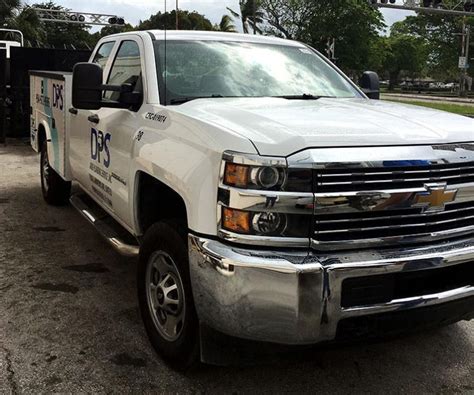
[177,17]
[468,43]
[331,49]
[254,16]
[464,59]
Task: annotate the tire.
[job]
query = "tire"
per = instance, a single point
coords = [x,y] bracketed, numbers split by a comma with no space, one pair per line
[163,264]
[55,190]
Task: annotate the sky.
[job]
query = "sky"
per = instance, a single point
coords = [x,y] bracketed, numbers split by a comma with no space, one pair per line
[135,10]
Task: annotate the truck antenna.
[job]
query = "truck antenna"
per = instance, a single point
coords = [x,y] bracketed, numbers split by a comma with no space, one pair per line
[166,65]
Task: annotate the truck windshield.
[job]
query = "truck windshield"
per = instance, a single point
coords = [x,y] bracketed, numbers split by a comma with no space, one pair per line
[195,69]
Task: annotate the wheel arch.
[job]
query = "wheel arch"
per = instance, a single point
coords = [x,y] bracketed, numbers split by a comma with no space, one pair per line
[156,201]
[43,134]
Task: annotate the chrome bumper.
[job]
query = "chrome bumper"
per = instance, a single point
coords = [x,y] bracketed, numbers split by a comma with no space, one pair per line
[294,297]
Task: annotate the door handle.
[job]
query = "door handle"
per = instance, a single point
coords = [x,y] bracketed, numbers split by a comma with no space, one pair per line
[94,118]
[73,110]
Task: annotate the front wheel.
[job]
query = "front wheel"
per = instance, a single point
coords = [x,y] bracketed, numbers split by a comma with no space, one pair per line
[165,295]
[55,190]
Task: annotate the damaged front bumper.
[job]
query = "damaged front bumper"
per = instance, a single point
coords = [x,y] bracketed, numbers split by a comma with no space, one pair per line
[298,297]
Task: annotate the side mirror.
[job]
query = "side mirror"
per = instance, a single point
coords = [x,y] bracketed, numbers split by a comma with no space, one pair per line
[87,90]
[87,86]
[370,85]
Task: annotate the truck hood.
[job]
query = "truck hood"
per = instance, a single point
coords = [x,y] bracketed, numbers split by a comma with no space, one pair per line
[281,127]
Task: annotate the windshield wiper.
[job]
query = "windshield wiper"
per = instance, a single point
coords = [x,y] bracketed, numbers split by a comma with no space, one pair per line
[304,96]
[182,100]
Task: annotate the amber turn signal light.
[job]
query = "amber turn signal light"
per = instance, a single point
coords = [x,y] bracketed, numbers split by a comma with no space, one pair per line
[236,175]
[235,220]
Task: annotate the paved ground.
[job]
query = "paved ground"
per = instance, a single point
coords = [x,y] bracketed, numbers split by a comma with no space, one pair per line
[69,320]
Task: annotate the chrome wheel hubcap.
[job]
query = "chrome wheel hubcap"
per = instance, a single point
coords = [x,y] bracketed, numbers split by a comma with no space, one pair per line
[165,295]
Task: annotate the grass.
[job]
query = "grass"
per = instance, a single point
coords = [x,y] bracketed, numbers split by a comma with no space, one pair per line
[438,93]
[450,107]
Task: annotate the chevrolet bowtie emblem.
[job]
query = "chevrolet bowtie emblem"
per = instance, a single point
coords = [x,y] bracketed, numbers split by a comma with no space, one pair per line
[435,197]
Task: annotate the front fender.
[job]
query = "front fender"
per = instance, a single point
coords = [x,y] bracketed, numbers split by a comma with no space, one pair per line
[186,156]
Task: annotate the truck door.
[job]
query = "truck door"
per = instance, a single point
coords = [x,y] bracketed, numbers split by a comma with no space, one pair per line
[83,138]
[113,132]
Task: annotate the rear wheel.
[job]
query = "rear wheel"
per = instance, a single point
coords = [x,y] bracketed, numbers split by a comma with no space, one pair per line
[165,295]
[55,190]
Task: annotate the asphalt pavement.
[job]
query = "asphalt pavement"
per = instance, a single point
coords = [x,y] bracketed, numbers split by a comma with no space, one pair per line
[69,321]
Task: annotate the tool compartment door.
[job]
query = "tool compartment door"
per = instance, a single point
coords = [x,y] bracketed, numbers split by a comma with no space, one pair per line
[49,114]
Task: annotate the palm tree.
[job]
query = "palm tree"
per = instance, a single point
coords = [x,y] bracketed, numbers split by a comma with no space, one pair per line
[226,24]
[250,14]
[26,20]
[8,9]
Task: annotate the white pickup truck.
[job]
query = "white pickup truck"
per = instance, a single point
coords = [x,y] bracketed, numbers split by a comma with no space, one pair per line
[268,197]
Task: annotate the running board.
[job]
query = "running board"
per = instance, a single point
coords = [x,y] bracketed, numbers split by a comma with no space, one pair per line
[105,229]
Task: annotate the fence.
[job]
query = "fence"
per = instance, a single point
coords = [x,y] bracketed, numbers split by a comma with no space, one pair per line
[15,85]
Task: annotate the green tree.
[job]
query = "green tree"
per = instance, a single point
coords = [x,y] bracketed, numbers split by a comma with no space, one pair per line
[226,25]
[289,18]
[250,13]
[112,29]
[65,35]
[378,52]
[353,24]
[187,21]
[26,20]
[405,53]
[441,35]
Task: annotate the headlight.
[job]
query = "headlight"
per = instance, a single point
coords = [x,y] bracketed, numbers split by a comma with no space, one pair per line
[263,201]
[269,223]
[265,223]
[254,177]
[266,177]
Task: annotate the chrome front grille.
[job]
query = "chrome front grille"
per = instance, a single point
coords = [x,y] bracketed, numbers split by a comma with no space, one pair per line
[392,176]
[381,196]
[412,222]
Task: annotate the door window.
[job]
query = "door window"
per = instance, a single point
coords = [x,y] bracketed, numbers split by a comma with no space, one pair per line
[103,53]
[126,69]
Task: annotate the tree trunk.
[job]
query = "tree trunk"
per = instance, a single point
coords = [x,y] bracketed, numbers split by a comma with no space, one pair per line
[393,80]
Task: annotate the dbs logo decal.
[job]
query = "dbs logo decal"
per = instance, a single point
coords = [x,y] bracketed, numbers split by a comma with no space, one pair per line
[100,142]
[58,101]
